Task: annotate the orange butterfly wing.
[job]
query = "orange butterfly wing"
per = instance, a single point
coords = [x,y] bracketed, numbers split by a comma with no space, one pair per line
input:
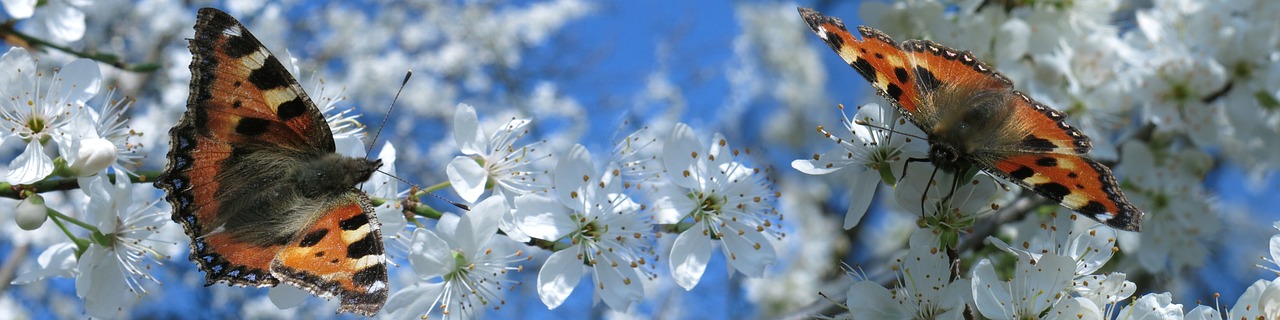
[340,254]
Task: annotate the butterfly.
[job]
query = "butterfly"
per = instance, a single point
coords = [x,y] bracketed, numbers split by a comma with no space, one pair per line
[254,179]
[974,118]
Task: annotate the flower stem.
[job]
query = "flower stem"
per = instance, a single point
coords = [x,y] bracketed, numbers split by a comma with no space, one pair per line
[106,58]
[81,244]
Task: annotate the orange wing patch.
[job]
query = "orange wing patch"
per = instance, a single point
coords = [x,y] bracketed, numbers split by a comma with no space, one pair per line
[341,254]
[1076,182]
[1047,129]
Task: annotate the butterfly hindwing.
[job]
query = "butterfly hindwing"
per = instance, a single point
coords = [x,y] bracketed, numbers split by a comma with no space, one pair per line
[1078,183]
[341,254]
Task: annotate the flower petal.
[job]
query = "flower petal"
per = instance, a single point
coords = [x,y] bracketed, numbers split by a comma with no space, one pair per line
[991,294]
[749,253]
[864,191]
[559,275]
[619,286]
[467,177]
[869,299]
[572,173]
[30,166]
[689,256]
[429,255]
[679,155]
[413,301]
[467,133]
[286,297]
[542,217]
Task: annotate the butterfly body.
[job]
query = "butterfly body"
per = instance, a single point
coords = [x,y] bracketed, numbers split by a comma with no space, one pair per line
[974,118]
[255,181]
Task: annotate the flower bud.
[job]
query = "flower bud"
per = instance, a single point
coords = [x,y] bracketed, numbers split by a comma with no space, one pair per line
[95,155]
[31,213]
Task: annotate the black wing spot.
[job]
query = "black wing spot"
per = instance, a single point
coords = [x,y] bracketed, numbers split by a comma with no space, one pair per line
[319,254]
[1032,142]
[894,92]
[865,69]
[1092,208]
[901,73]
[1072,175]
[313,238]
[236,105]
[368,276]
[879,55]
[354,223]
[1053,190]
[927,81]
[1022,173]
[270,76]
[291,109]
[240,46]
[1047,162]
[252,126]
[363,247]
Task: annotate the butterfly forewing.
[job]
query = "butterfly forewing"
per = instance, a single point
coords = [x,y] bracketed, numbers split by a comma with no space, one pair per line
[875,57]
[245,95]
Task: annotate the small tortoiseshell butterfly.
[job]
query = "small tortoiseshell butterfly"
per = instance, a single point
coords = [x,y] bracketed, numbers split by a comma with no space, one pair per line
[974,117]
[254,179]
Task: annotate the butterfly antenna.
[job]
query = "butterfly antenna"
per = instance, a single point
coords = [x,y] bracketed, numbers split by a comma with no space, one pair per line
[868,124]
[415,187]
[404,82]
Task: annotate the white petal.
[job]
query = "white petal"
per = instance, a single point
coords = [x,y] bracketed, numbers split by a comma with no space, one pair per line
[542,217]
[612,283]
[30,166]
[58,260]
[689,256]
[864,191]
[63,22]
[485,216]
[1203,313]
[429,255]
[869,299]
[1075,309]
[81,78]
[742,251]
[572,173]
[1093,248]
[678,155]
[102,284]
[19,9]
[1044,280]
[1274,248]
[467,177]
[1155,306]
[287,296]
[467,132]
[559,275]
[991,294]
[413,301]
